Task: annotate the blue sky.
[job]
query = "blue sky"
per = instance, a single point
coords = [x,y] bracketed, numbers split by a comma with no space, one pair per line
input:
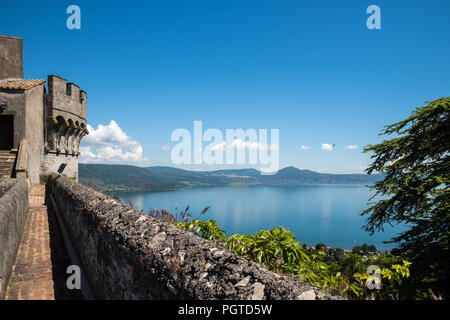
[311,69]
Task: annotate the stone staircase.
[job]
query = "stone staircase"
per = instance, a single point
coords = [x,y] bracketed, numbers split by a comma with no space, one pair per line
[7,161]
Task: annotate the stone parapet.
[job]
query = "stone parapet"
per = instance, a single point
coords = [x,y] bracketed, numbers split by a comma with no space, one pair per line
[13,214]
[127,255]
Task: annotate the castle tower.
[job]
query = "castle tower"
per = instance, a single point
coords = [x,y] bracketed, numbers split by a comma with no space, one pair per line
[65,124]
[11,58]
[39,131]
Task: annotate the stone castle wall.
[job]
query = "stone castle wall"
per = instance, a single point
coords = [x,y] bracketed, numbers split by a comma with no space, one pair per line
[53,123]
[34,131]
[16,108]
[128,255]
[66,99]
[11,57]
[13,213]
[26,107]
[65,126]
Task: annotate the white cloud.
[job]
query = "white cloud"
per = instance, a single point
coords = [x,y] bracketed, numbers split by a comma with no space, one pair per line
[305,147]
[326,147]
[165,148]
[351,147]
[110,144]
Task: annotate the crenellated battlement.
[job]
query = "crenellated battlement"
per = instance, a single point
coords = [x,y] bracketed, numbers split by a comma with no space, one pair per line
[73,91]
[65,97]
[50,116]
[66,124]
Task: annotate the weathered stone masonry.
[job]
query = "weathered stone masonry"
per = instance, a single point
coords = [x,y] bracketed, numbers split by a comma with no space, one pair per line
[65,126]
[13,213]
[124,253]
[128,255]
[11,57]
[51,123]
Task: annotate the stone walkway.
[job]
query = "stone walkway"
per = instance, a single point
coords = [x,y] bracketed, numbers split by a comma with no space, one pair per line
[40,269]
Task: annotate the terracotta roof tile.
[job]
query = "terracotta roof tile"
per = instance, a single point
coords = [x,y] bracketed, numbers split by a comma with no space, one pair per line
[20,84]
[9,37]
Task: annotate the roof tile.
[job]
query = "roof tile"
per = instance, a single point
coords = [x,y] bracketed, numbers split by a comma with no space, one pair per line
[20,84]
[9,37]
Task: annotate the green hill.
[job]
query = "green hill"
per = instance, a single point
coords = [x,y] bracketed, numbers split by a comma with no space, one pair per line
[128,178]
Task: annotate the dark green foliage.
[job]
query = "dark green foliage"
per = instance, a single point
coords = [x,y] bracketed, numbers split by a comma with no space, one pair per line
[357,250]
[277,248]
[204,229]
[415,192]
[351,264]
[334,270]
[364,249]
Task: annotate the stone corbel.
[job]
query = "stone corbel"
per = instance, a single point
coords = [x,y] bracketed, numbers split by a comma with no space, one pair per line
[68,139]
[80,136]
[65,126]
[75,134]
[52,135]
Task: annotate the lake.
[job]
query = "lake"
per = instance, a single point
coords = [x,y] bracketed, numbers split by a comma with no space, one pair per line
[313,213]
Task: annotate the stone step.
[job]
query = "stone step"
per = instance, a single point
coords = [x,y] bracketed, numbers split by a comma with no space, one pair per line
[7,164]
[7,160]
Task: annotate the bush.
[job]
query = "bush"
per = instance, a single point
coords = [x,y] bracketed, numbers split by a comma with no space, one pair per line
[278,249]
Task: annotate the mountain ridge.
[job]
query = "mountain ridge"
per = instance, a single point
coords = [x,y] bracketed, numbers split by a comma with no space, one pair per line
[133,178]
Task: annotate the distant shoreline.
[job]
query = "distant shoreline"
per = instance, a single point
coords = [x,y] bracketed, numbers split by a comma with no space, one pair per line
[126,178]
[131,190]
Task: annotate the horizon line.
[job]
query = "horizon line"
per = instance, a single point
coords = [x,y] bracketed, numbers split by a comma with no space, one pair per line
[228,169]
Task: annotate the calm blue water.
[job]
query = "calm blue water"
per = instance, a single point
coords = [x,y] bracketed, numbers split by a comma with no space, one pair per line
[314,213]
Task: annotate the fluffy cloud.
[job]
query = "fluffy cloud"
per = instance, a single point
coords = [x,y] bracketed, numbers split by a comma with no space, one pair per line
[326,147]
[351,147]
[110,144]
[305,147]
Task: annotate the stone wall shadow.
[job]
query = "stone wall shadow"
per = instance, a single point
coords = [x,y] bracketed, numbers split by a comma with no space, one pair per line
[60,260]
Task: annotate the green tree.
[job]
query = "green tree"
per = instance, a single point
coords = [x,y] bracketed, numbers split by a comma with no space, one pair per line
[415,191]
[357,250]
[365,248]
